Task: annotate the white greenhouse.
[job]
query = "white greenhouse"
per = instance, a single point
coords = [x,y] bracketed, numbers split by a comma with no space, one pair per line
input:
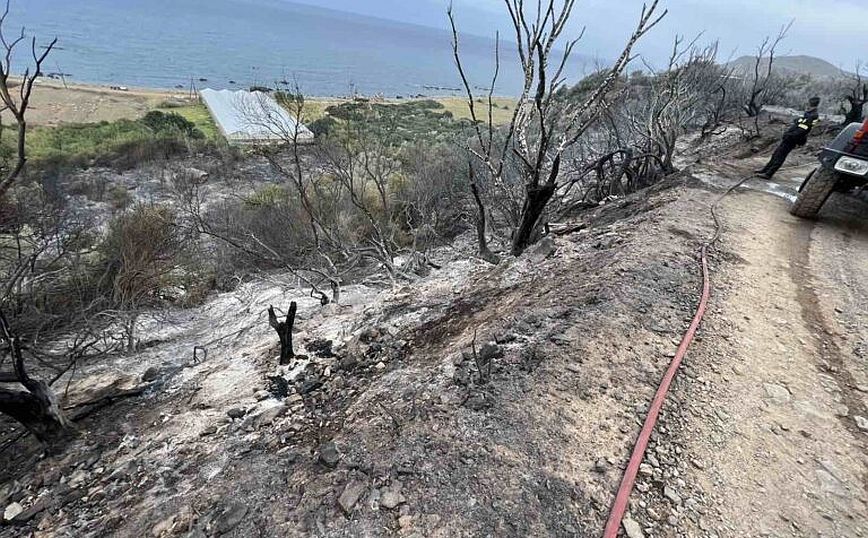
[245,117]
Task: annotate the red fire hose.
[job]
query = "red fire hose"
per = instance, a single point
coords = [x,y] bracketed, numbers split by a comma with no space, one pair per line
[626,488]
[629,479]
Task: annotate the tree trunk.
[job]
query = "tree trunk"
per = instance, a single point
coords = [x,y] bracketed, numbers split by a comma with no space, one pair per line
[854,115]
[39,412]
[534,205]
[484,251]
[284,331]
[36,409]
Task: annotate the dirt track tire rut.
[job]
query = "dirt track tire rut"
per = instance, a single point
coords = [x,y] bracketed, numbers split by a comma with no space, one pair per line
[828,352]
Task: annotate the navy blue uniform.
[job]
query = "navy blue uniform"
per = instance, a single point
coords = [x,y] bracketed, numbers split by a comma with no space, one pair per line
[796,135]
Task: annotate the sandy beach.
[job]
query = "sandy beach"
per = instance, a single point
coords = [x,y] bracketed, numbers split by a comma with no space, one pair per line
[54,102]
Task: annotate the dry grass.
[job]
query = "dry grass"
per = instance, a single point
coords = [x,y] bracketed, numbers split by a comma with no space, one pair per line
[502,113]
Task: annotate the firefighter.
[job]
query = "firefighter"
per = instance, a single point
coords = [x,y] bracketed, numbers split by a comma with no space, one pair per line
[796,135]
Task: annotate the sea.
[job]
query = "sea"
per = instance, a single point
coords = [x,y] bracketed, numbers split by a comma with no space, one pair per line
[242,43]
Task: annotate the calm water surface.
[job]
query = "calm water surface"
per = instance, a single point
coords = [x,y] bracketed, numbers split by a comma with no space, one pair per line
[238,43]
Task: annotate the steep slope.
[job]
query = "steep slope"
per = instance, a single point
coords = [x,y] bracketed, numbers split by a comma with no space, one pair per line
[394,429]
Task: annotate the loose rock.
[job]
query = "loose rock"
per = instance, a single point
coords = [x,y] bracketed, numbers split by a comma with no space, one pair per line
[230,517]
[392,496]
[12,511]
[672,495]
[351,495]
[776,393]
[236,412]
[632,528]
[328,455]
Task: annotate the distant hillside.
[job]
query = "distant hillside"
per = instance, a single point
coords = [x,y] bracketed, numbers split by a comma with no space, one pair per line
[792,65]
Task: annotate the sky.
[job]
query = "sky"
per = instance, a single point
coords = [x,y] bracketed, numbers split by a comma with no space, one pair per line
[835,30]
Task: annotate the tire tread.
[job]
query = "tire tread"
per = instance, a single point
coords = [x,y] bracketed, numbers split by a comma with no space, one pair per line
[814,194]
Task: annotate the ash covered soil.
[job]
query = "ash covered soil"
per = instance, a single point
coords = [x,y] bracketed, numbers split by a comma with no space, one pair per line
[393,426]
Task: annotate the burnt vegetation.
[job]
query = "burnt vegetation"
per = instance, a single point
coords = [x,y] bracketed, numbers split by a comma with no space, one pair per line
[370,200]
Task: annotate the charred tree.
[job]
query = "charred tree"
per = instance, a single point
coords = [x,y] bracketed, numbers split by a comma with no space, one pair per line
[537,196]
[762,81]
[857,105]
[482,241]
[17,106]
[543,127]
[284,331]
[36,408]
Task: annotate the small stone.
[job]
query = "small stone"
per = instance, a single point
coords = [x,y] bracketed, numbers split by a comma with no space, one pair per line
[209,430]
[268,416]
[861,422]
[236,412]
[77,478]
[12,511]
[392,496]
[348,363]
[151,374]
[328,454]
[353,491]
[230,517]
[261,395]
[543,249]
[632,528]
[381,365]
[698,464]
[672,495]
[776,393]
[600,466]
[405,522]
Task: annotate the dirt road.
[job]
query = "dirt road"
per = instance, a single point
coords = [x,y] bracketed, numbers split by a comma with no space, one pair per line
[769,422]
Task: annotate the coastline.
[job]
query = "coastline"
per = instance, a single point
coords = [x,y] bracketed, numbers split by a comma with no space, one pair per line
[56,101]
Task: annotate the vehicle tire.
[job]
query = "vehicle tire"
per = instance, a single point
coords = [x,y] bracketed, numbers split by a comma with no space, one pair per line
[814,193]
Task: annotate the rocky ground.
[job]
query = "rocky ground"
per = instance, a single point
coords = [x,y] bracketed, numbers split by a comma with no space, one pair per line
[499,401]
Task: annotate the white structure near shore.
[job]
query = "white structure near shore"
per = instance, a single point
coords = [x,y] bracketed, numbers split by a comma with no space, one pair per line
[245,117]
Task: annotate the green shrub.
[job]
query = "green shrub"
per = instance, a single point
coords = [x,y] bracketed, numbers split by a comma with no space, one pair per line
[323,126]
[168,123]
[397,124]
[121,144]
[268,196]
